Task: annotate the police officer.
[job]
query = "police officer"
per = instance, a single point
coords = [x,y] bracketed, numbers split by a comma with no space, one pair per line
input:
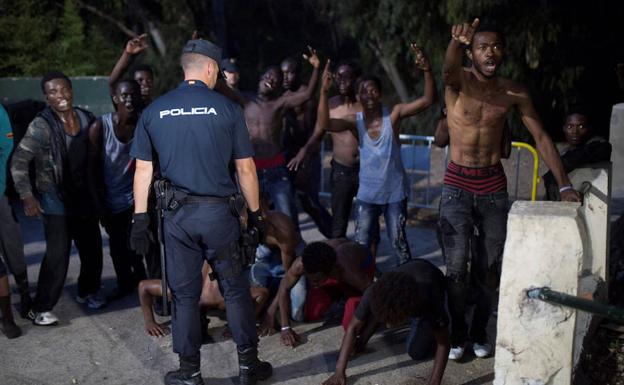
[197,135]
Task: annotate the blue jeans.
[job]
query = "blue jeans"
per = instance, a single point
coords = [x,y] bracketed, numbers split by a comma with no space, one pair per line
[472,225]
[276,185]
[395,215]
[267,271]
[420,340]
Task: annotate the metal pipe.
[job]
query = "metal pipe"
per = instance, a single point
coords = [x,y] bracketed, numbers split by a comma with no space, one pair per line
[552,296]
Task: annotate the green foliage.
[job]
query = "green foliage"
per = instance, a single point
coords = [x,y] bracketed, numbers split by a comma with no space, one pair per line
[40,36]
[563,51]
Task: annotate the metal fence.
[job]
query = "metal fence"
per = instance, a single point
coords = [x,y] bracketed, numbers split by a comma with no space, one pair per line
[416,153]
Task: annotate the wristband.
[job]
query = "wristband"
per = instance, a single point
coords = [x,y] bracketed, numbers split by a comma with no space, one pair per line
[284,328]
[565,188]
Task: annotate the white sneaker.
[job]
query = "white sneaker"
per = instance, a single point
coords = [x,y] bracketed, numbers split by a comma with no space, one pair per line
[456,353]
[93,301]
[45,318]
[482,350]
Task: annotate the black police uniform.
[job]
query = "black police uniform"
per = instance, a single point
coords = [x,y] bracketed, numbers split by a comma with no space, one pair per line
[196,133]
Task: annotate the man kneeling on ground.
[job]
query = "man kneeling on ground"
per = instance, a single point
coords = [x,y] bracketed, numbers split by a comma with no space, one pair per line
[337,268]
[414,291]
[210,298]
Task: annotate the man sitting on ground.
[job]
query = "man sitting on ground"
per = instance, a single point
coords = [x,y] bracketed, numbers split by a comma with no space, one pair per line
[414,291]
[333,269]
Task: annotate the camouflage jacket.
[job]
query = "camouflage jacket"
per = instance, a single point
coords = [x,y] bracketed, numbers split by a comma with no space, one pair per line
[35,145]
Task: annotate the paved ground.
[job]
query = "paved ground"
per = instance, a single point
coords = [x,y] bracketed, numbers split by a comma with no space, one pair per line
[110,347]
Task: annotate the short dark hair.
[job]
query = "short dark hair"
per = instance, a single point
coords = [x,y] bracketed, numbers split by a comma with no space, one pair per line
[393,297]
[293,60]
[355,67]
[133,82]
[368,78]
[275,68]
[489,26]
[318,257]
[577,109]
[51,76]
[142,67]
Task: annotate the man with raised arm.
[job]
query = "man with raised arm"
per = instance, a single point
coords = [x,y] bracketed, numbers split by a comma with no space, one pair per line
[111,173]
[143,73]
[263,115]
[475,187]
[346,158]
[298,127]
[383,184]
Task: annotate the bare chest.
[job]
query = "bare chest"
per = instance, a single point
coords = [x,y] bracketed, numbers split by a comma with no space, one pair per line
[262,118]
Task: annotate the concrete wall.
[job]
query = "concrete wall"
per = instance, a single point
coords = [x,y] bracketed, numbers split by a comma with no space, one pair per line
[616,137]
[562,246]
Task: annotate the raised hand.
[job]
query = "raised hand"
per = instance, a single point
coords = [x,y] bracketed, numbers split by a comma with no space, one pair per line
[137,44]
[312,58]
[421,60]
[464,33]
[326,78]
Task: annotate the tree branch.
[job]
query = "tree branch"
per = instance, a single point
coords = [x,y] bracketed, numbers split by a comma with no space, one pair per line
[106,17]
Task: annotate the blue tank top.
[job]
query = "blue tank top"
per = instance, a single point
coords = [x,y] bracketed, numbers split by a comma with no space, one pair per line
[382,176]
[118,168]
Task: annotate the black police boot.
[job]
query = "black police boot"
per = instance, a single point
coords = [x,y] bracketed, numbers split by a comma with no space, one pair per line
[188,374]
[251,369]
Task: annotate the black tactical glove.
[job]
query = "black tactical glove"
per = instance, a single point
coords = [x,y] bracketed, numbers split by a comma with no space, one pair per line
[140,236]
[256,220]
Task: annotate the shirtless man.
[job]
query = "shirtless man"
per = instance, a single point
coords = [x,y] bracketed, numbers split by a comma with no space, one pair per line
[346,160]
[263,115]
[143,74]
[335,268]
[210,298]
[475,187]
[298,127]
[275,256]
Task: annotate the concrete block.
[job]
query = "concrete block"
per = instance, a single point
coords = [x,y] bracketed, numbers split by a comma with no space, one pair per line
[595,213]
[616,137]
[545,247]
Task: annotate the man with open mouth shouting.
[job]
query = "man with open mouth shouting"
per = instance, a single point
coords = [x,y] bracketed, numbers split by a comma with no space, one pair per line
[474,194]
[263,114]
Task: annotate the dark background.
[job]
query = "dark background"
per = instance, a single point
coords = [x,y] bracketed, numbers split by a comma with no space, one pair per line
[566,52]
